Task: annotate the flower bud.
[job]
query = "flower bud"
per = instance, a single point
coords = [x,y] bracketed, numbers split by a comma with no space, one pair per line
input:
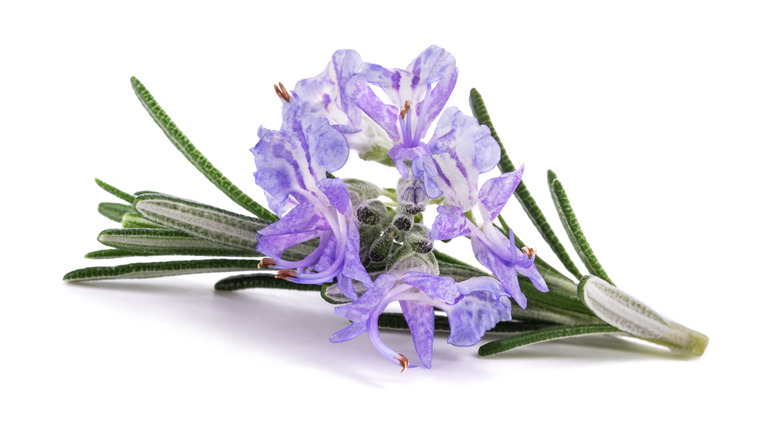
[380,249]
[403,222]
[411,195]
[360,190]
[372,212]
[406,259]
[419,239]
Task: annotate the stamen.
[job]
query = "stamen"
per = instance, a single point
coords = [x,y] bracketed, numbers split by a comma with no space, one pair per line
[405,109]
[402,360]
[284,274]
[530,252]
[282,92]
[266,261]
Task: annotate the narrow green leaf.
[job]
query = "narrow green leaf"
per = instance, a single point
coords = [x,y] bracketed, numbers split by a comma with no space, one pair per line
[159,269]
[459,272]
[332,294]
[201,220]
[153,252]
[113,253]
[396,321]
[114,210]
[156,240]
[446,258]
[115,191]
[539,311]
[521,192]
[632,316]
[553,299]
[573,229]
[542,335]
[183,144]
[135,220]
[261,281]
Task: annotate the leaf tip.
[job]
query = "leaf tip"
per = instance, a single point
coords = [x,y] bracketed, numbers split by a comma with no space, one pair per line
[551,176]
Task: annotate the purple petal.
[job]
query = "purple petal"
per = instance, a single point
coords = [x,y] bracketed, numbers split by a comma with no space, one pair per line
[324,92]
[482,284]
[424,167]
[327,147]
[462,149]
[301,219]
[434,66]
[352,266]
[337,194]
[505,273]
[495,192]
[439,288]
[279,162]
[420,320]
[346,64]
[328,256]
[536,278]
[449,224]
[349,332]
[275,246]
[346,287]
[360,310]
[475,314]
[358,92]
[396,83]
[280,208]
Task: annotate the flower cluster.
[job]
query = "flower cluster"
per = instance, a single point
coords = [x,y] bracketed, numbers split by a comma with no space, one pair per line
[376,251]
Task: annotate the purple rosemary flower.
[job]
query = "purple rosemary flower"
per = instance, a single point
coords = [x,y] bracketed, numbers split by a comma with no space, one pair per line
[472,306]
[461,150]
[324,94]
[292,165]
[417,96]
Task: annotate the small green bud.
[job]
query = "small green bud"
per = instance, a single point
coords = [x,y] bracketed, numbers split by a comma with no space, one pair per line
[372,212]
[403,222]
[406,259]
[360,190]
[419,240]
[411,196]
[380,249]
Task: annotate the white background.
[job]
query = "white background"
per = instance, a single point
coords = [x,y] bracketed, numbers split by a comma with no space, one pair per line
[660,118]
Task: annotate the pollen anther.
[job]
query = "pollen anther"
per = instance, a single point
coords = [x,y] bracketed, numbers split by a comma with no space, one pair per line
[282,92]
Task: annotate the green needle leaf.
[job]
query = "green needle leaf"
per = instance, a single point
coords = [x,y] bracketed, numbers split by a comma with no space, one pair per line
[632,316]
[396,321]
[459,272]
[114,210]
[542,335]
[194,156]
[261,281]
[151,252]
[114,253]
[159,269]
[573,229]
[135,220]
[157,240]
[210,223]
[115,191]
[521,193]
